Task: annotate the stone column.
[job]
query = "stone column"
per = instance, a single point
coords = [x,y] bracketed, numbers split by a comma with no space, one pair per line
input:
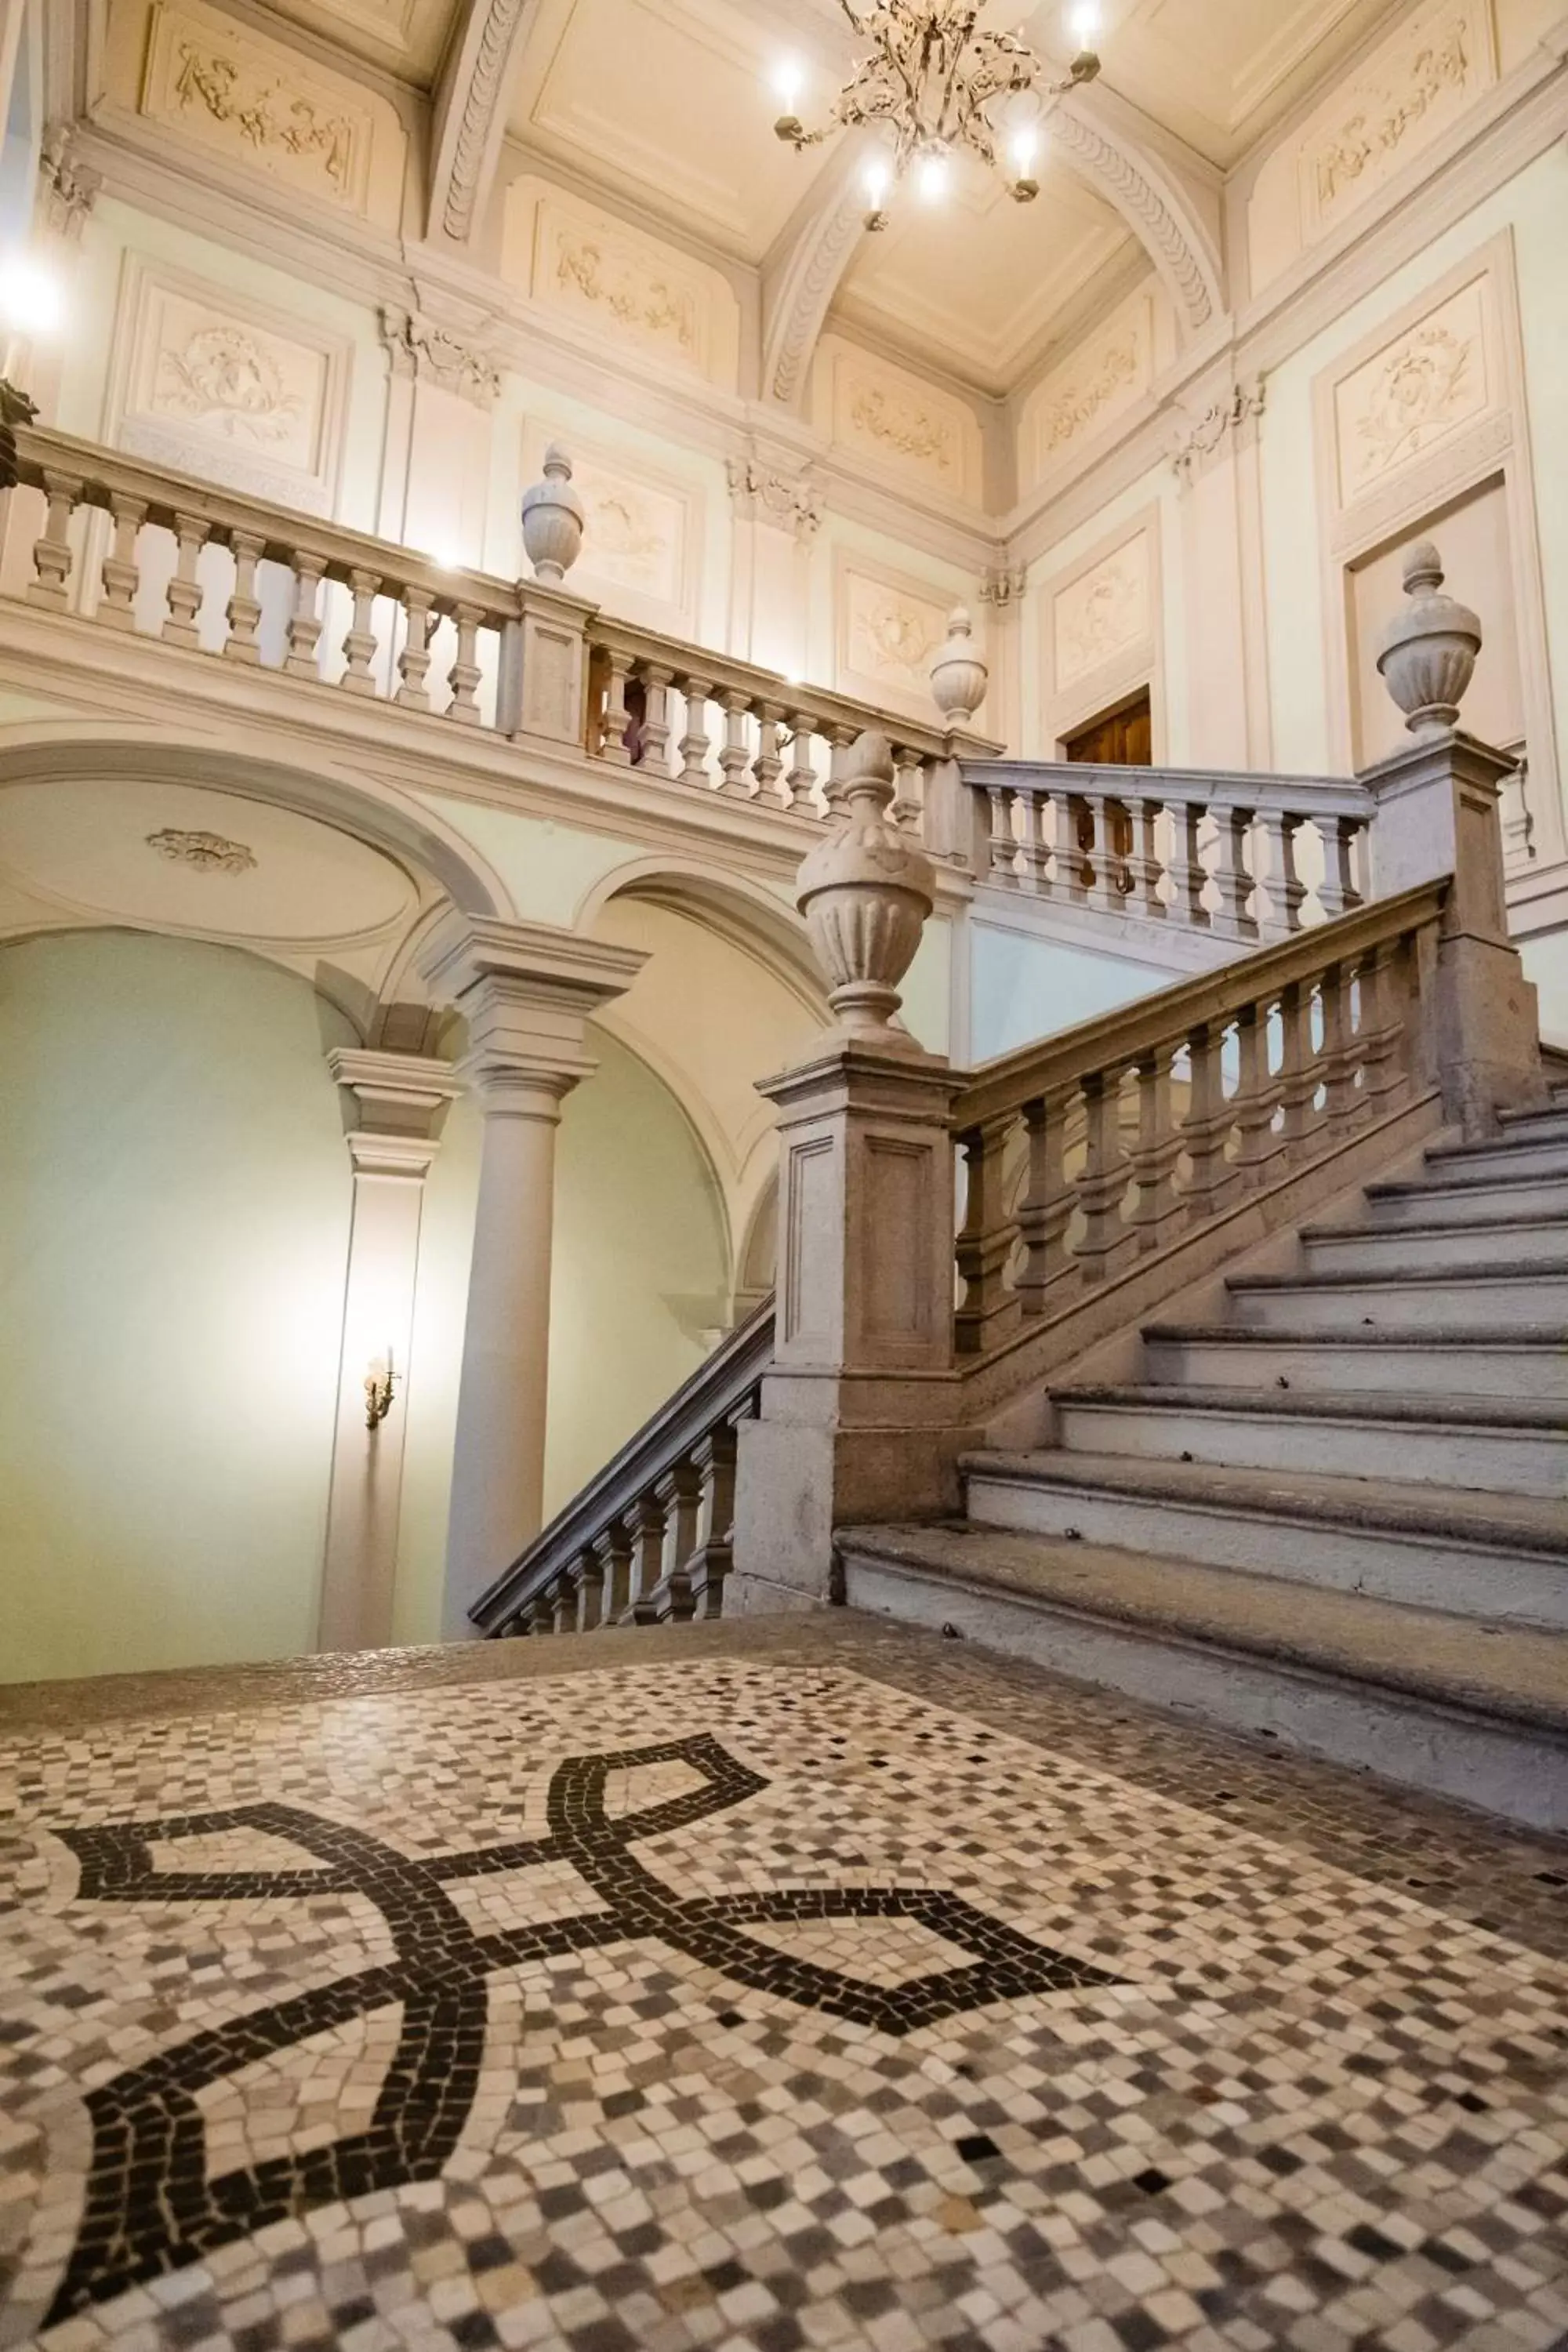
[527,992]
[1438,813]
[858,1415]
[1217,465]
[400,1100]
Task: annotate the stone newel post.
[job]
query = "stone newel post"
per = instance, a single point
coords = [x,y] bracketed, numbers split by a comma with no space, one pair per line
[858,1414]
[1438,813]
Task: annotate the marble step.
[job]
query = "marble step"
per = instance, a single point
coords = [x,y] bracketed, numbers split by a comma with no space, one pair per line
[1485,1556]
[1532,1126]
[1530,1290]
[1433,1702]
[1380,1250]
[1514,1155]
[1467,1200]
[1515,1450]
[1483,1360]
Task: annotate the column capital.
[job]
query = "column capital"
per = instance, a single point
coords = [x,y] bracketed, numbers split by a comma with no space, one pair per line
[527,991]
[400,1101]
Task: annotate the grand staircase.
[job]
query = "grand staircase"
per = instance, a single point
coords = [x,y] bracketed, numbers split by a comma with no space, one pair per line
[1335,1515]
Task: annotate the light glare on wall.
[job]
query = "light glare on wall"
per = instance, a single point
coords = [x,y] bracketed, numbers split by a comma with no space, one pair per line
[32,304]
[931,178]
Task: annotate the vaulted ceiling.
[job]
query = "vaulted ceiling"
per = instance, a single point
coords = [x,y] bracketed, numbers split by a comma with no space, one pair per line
[663,109]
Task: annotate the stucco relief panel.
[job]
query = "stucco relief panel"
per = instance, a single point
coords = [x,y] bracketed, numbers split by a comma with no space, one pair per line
[888,632]
[223,388]
[629,288]
[898,421]
[1425,386]
[1096,386]
[1103,615]
[256,103]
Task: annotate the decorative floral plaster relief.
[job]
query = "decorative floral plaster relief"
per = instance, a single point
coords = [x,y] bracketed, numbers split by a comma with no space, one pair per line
[1102,612]
[1092,387]
[208,853]
[249,98]
[1433,379]
[889,635]
[627,286]
[899,421]
[1418,84]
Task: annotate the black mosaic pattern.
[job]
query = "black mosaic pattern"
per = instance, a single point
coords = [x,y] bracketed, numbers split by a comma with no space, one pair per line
[150,2206]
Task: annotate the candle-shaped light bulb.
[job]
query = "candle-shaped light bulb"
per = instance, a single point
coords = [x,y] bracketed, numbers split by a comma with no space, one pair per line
[1023,147]
[1086,24]
[788,83]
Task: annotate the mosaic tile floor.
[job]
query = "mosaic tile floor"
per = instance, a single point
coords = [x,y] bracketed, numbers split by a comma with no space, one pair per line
[755,1989]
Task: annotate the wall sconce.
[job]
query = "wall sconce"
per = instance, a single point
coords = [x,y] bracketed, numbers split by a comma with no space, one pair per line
[380,1386]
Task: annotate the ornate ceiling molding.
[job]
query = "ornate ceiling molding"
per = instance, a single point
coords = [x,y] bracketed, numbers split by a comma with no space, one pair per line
[471,113]
[798,294]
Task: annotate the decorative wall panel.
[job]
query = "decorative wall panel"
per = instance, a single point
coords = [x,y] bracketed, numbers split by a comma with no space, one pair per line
[215,385]
[1114,369]
[642,543]
[1421,389]
[1414,84]
[629,288]
[888,631]
[1102,625]
[1102,613]
[263,106]
[898,420]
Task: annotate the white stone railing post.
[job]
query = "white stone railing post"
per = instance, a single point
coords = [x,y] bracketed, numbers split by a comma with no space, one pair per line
[858,1413]
[527,992]
[1438,812]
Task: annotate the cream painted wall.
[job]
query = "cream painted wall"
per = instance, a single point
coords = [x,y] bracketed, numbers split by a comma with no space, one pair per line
[1028,988]
[174,1202]
[639,1285]
[1535,205]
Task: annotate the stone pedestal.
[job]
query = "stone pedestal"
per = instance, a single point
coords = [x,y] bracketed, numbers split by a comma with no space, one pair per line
[859,1416]
[527,992]
[1438,813]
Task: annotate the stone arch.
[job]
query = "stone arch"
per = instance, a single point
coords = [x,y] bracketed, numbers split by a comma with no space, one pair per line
[800,285]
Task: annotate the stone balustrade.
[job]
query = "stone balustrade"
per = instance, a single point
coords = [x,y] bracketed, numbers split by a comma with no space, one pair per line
[649,1539]
[1242,857]
[1181,1107]
[129,546]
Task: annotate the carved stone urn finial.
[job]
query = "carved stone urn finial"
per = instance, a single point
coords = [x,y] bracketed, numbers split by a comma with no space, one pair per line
[865,894]
[958,676]
[1429,650]
[552,518]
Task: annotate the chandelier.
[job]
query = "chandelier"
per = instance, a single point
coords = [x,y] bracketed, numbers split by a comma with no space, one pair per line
[940,86]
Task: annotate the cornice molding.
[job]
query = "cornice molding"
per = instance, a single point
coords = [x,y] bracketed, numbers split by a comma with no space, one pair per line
[428,352]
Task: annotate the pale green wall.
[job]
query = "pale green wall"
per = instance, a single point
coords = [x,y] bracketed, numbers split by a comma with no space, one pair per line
[640,1268]
[173,1215]
[1028,988]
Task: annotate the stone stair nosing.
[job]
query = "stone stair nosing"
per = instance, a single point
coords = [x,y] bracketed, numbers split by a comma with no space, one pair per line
[1411,1693]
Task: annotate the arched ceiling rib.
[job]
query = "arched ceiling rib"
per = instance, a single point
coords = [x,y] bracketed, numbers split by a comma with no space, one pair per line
[471,113]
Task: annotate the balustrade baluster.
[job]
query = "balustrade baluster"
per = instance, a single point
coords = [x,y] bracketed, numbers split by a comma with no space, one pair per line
[734,758]
[1286,890]
[1343,1103]
[539,1617]
[1154,1155]
[1104,890]
[121,573]
[1033,854]
[588,1574]
[414,661]
[713,1459]
[1046,1209]
[1003,849]
[614,746]
[1298,1071]
[1337,893]
[1101,1185]
[1207,1126]
[359,645]
[1382,1031]
[1256,1099]
[679,1493]
[244,610]
[1234,920]
[646,1521]
[801,781]
[613,1551]
[185,590]
[1145,867]
[908,799]
[1187,866]
[465,673]
[563,1596]
[656,684]
[768,766]
[985,1241]
[52,555]
[303,660]
[694,744]
[841,743]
